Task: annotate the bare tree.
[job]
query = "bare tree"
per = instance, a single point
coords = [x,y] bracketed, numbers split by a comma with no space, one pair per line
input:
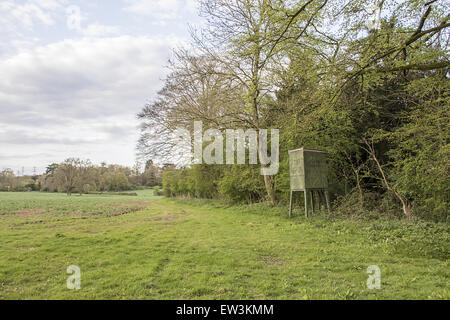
[405,203]
[246,38]
[192,91]
[67,173]
[229,80]
[83,174]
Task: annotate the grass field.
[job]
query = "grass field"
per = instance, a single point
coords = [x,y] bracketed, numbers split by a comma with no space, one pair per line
[147,247]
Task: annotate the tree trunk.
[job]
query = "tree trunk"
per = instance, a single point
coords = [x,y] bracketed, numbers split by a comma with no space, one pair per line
[360,190]
[406,208]
[406,205]
[268,182]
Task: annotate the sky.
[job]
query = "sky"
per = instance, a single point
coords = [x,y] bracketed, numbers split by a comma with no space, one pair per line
[74,74]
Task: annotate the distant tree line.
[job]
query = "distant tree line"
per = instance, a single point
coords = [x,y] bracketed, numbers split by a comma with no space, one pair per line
[80,176]
[368,84]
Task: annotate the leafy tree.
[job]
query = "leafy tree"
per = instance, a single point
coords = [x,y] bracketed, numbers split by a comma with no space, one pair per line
[67,173]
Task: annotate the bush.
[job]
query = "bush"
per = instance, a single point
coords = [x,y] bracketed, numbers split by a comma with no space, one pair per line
[157,191]
[200,181]
[242,183]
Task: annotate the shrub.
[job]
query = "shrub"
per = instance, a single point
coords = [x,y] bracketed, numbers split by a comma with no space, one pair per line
[157,191]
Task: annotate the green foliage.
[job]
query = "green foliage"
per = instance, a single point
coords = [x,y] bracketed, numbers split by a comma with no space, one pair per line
[420,148]
[157,191]
[199,181]
[242,183]
[345,89]
[118,182]
[10,182]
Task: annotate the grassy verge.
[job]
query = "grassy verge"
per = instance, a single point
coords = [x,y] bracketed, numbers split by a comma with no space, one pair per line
[185,249]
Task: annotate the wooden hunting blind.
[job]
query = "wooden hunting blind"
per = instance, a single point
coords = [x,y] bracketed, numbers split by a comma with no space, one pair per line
[308,173]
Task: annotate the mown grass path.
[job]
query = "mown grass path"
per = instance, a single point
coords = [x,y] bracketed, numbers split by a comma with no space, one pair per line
[152,248]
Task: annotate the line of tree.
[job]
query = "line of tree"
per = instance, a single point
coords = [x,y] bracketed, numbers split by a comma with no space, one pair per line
[374,95]
[10,182]
[80,176]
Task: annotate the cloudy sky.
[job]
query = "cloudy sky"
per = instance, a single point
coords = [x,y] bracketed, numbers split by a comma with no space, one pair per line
[74,74]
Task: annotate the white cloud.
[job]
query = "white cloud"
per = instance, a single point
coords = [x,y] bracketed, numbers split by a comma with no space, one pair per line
[20,44]
[84,91]
[64,97]
[152,7]
[29,13]
[19,19]
[87,68]
[99,30]
[161,10]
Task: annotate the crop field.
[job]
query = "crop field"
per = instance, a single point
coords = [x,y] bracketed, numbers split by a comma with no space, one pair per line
[147,247]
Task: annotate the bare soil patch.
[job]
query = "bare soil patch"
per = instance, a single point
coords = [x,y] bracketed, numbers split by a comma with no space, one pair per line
[141,204]
[30,213]
[273,261]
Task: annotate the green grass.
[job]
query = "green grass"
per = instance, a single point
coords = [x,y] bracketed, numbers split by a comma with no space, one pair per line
[147,247]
